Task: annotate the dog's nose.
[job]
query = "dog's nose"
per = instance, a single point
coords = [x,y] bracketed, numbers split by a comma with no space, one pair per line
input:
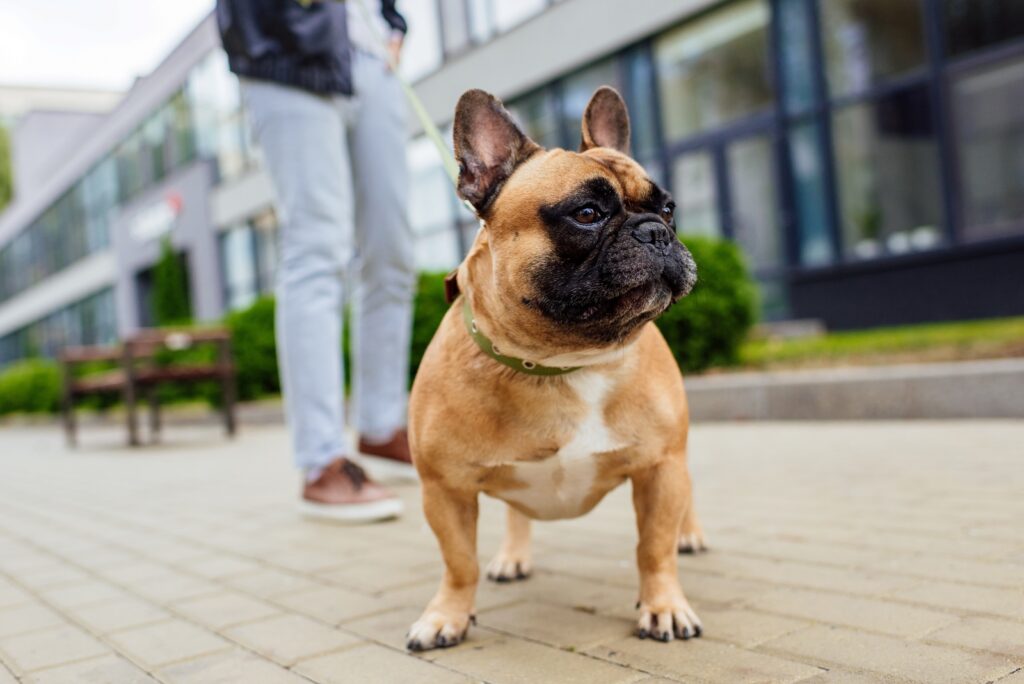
[653,233]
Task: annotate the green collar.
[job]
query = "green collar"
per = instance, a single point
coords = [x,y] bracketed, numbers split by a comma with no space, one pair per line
[487,347]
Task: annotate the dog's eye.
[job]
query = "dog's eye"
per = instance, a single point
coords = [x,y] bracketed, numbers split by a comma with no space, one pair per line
[587,215]
[668,212]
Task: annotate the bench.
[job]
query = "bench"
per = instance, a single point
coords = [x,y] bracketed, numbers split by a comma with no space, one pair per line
[139,367]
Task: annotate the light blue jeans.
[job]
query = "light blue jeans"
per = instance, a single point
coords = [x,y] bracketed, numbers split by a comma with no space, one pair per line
[339,170]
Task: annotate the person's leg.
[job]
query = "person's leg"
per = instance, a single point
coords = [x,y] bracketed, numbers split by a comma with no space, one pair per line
[304,145]
[387,277]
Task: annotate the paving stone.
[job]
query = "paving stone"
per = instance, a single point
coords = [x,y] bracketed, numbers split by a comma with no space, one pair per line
[332,604]
[869,614]
[271,582]
[967,599]
[744,627]
[108,669]
[555,625]
[372,663]
[891,657]
[702,660]
[82,593]
[998,636]
[6,676]
[12,595]
[223,609]
[49,647]
[119,614]
[173,586]
[166,642]
[288,639]
[27,617]
[218,565]
[230,667]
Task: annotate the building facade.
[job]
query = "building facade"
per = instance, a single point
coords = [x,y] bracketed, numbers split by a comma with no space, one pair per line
[867,155]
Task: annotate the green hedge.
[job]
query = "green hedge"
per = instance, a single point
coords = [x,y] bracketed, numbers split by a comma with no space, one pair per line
[30,386]
[708,327]
[703,330]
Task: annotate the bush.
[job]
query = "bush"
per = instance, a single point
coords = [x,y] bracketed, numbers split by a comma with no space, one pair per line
[30,386]
[430,308]
[707,328]
[255,350]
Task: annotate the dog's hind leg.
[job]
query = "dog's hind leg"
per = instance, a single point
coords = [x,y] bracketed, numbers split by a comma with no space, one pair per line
[691,536]
[512,561]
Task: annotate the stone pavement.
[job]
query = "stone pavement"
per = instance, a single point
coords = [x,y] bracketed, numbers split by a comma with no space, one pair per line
[840,553]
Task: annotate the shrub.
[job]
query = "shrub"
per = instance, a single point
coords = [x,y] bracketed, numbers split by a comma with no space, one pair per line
[707,328]
[430,308]
[30,386]
[255,350]
[170,299]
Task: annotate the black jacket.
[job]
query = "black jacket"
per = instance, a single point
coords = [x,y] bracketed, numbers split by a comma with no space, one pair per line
[306,46]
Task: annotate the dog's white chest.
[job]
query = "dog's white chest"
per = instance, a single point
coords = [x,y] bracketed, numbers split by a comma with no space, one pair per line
[559,486]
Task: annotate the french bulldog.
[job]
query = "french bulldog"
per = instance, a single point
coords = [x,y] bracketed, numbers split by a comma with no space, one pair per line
[547,385]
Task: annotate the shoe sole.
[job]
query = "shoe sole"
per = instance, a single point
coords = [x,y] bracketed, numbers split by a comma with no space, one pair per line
[352,514]
[388,470]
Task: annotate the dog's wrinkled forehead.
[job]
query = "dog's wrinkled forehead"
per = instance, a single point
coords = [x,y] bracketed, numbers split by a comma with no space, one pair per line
[557,176]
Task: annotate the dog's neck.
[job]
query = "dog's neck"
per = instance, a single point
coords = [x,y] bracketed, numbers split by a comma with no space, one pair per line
[477,284]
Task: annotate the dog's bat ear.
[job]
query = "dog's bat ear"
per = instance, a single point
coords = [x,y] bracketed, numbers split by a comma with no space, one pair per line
[488,146]
[451,286]
[606,121]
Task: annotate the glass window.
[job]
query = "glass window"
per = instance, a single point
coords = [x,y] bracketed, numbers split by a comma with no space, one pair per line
[642,114]
[888,179]
[868,40]
[455,25]
[715,69]
[989,124]
[754,203]
[797,55]
[481,20]
[695,194]
[238,255]
[510,13]
[972,24]
[809,188]
[577,90]
[537,115]
[422,52]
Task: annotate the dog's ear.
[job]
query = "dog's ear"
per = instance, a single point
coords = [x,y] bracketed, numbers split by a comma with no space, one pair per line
[606,121]
[488,146]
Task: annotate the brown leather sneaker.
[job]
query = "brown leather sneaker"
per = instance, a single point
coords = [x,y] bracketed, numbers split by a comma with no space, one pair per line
[344,493]
[391,459]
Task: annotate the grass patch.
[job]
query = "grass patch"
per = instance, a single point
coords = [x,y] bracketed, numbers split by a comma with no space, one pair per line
[986,339]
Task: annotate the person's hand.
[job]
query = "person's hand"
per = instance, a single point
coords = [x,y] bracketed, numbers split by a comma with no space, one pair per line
[395,49]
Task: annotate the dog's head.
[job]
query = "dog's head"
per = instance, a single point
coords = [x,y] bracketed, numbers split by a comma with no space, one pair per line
[582,245]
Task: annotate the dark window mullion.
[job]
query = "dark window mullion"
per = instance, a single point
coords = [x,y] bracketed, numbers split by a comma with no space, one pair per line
[942,120]
[825,133]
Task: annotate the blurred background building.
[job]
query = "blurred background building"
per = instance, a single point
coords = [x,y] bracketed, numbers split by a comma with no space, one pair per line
[868,155]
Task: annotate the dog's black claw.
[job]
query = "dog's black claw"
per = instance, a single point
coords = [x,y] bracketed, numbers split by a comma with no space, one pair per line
[686,635]
[642,633]
[472,621]
[687,551]
[441,641]
[501,579]
[414,645]
[665,637]
[638,605]
[697,631]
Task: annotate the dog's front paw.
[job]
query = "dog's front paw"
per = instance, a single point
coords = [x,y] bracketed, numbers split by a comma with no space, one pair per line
[692,541]
[508,567]
[665,619]
[438,629]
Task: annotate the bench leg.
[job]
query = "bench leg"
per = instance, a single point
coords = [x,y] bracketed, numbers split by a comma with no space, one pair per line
[130,417]
[228,395]
[154,416]
[68,414]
